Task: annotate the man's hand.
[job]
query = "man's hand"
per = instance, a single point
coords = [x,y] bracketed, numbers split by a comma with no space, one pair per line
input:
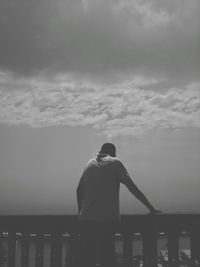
[154,211]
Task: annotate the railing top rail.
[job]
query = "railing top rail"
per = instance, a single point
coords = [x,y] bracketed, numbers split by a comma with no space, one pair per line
[122,215]
[68,223]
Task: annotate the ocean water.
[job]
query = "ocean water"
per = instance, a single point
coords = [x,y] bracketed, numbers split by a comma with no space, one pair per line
[137,244]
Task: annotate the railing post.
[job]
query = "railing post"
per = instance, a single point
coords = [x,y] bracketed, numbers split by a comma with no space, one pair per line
[3,253]
[1,247]
[11,248]
[74,252]
[56,250]
[25,249]
[150,244]
[173,247]
[127,249]
[195,246]
[39,250]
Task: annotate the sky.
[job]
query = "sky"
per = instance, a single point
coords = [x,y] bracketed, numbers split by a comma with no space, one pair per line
[75,74]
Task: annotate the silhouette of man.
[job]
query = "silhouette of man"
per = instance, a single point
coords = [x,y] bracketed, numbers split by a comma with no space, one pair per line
[98,205]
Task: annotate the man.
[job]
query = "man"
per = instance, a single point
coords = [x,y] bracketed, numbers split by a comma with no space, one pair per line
[98,205]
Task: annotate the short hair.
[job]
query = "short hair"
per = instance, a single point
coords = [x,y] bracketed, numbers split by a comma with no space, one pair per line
[108,148]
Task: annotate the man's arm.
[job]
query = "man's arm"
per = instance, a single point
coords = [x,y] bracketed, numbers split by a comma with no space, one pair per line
[126,180]
[139,195]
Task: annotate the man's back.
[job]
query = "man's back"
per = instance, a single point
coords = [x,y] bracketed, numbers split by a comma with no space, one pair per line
[100,184]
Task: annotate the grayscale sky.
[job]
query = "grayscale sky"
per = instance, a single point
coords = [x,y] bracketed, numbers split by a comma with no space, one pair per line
[75,74]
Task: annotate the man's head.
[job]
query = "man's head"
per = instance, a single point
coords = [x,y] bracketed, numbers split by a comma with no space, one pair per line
[108,148]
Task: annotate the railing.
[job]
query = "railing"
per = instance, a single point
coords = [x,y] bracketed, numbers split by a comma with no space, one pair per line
[60,229]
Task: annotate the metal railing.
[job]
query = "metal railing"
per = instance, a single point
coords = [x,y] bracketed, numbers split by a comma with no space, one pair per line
[64,228]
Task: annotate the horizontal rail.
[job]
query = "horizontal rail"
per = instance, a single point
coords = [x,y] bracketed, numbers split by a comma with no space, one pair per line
[22,227]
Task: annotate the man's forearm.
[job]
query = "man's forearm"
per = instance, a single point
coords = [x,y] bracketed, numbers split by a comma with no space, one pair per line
[140,196]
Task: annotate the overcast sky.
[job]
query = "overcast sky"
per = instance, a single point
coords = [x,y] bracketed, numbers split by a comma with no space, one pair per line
[75,74]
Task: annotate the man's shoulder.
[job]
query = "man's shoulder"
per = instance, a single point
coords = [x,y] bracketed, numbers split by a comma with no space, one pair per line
[116,161]
[89,164]
[90,161]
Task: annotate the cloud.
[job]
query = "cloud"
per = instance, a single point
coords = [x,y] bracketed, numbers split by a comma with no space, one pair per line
[99,39]
[112,111]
